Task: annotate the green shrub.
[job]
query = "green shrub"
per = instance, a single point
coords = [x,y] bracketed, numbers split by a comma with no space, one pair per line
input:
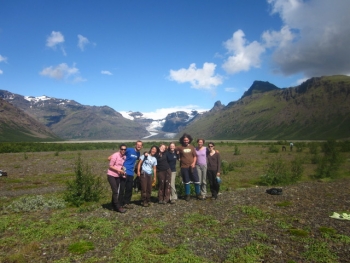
[344,146]
[279,173]
[297,170]
[316,158]
[86,187]
[329,164]
[276,173]
[313,148]
[227,167]
[35,203]
[236,151]
[273,148]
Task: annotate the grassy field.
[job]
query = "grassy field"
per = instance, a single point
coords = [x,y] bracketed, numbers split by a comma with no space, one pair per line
[244,225]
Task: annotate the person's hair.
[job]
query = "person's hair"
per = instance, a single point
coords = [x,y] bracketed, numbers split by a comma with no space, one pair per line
[154,146]
[170,144]
[200,140]
[185,135]
[211,143]
[123,144]
[139,141]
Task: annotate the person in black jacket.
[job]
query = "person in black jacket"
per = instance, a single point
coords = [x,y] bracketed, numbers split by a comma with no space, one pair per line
[172,157]
[213,171]
[164,175]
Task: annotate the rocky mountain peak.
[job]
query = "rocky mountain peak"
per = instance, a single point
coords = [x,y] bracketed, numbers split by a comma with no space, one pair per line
[259,87]
[217,106]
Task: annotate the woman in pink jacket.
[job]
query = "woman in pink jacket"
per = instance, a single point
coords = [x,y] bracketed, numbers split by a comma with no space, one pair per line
[116,175]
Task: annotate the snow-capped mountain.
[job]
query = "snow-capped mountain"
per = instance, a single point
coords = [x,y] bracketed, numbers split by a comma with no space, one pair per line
[72,120]
[166,127]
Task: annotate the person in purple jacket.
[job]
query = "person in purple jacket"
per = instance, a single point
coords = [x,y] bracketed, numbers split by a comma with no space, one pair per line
[201,166]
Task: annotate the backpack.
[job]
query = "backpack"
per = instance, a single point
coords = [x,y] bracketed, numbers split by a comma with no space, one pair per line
[274,191]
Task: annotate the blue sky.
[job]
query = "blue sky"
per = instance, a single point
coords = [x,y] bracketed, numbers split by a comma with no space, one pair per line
[158,56]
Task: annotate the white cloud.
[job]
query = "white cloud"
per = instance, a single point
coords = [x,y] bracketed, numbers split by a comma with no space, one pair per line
[1,72]
[244,56]
[60,71]
[56,39]
[204,78]
[231,90]
[314,38]
[106,72]
[82,42]
[3,59]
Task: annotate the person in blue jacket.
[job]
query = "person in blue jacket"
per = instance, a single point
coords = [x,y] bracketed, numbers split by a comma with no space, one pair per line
[126,185]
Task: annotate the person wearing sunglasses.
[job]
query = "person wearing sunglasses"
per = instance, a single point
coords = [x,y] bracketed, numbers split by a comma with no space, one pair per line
[125,191]
[213,170]
[116,176]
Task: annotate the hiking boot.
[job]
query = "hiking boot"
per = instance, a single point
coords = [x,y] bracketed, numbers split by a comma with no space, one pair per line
[187,198]
[161,202]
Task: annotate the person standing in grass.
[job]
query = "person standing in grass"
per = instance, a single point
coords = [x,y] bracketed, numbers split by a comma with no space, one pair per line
[116,175]
[188,158]
[164,175]
[213,171]
[125,193]
[145,169]
[172,157]
[201,167]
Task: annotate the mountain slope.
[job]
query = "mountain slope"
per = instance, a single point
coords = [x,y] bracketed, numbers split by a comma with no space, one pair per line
[16,125]
[317,109]
[72,120]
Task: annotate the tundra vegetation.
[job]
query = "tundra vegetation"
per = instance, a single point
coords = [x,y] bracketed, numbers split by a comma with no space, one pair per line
[55,207]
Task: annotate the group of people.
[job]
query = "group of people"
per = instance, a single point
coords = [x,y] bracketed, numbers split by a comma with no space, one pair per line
[158,165]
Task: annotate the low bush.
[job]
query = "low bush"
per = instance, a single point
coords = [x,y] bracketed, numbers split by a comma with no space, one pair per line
[35,203]
[227,167]
[273,149]
[278,172]
[297,170]
[237,151]
[329,164]
[86,187]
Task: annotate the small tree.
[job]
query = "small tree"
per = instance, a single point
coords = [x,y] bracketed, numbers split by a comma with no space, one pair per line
[276,173]
[329,164]
[237,151]
[297,170]
[86,187]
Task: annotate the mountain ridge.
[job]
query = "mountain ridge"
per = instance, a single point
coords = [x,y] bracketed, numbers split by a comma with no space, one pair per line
[319,108]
